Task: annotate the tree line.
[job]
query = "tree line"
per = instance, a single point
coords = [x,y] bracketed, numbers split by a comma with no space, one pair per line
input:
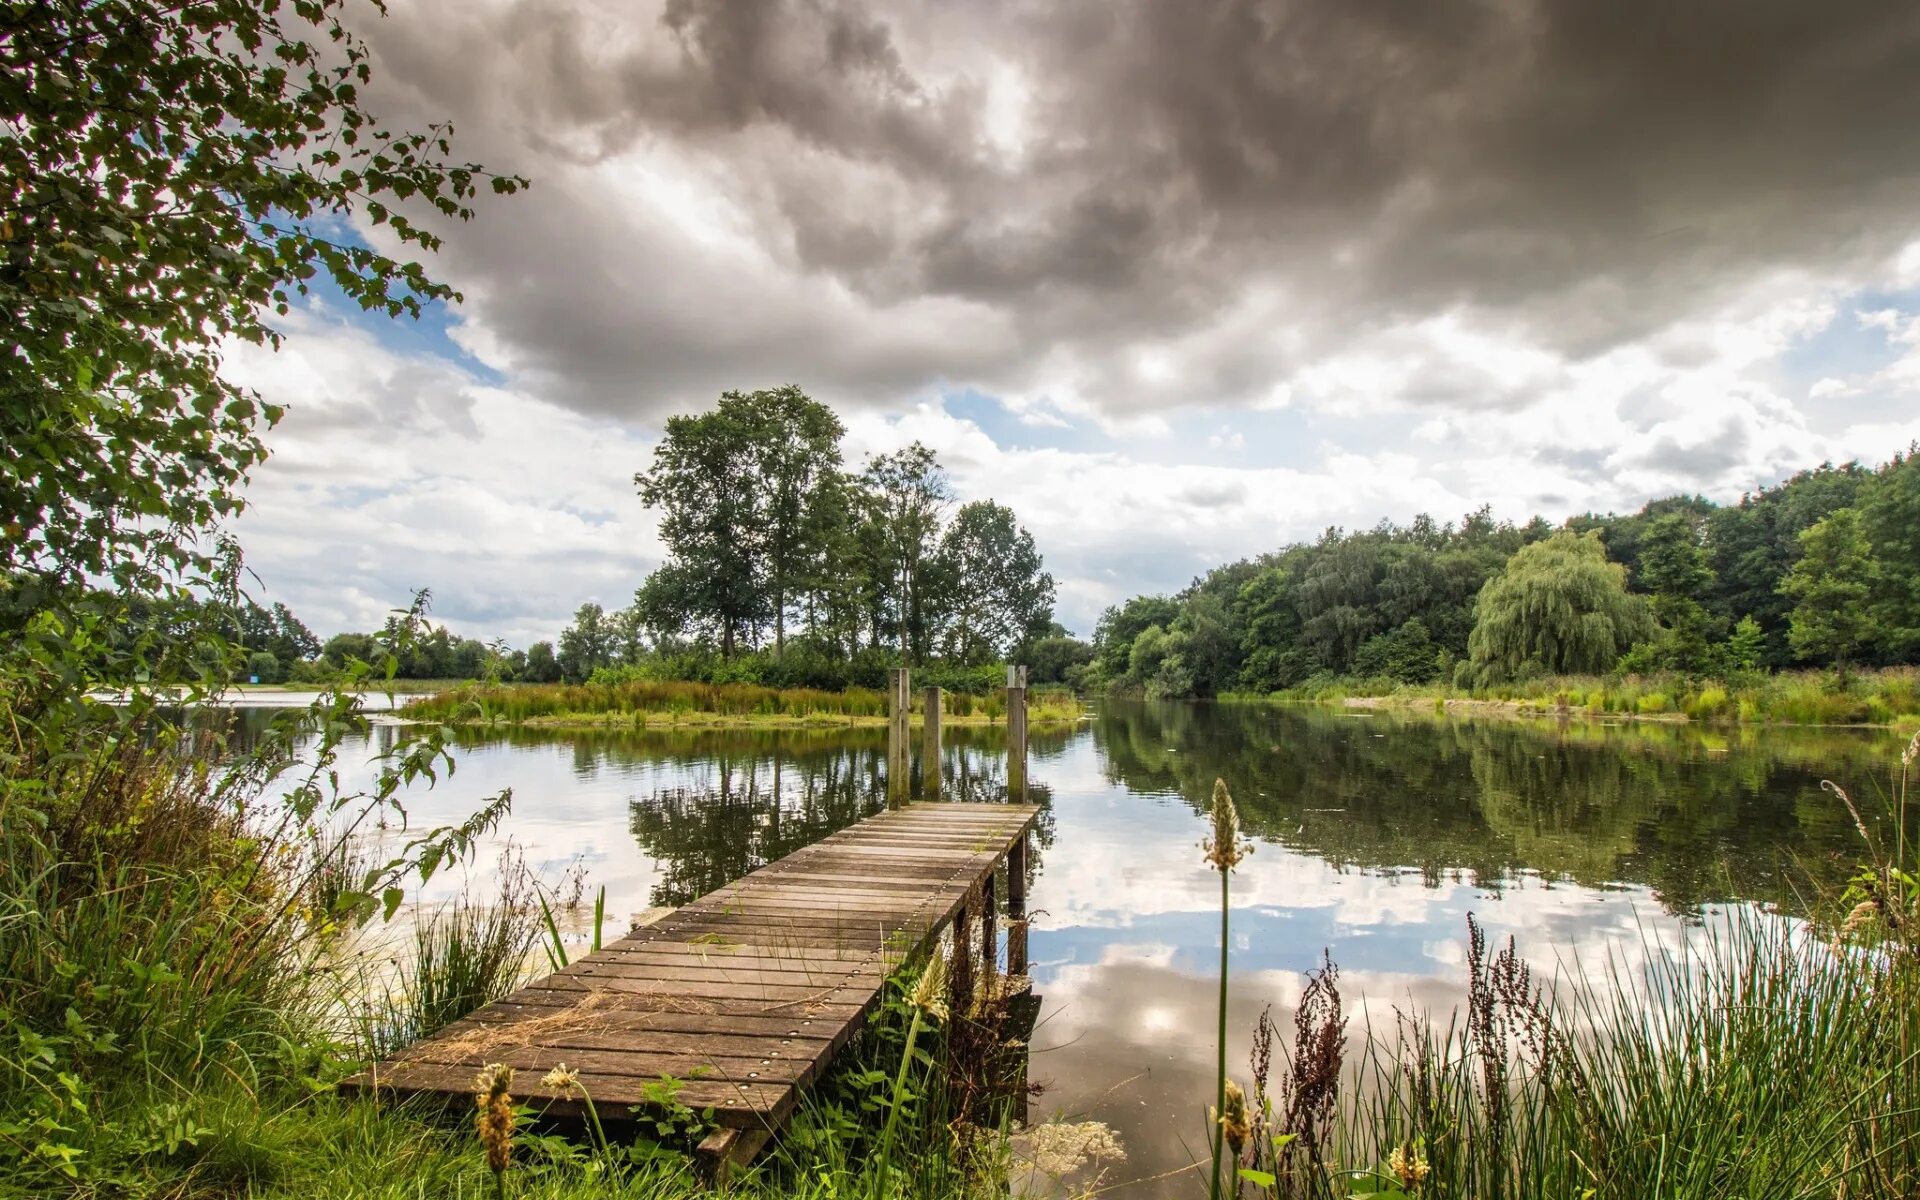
[1820,570]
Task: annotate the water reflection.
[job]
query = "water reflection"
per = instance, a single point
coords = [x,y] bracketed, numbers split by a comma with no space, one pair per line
[1376,835]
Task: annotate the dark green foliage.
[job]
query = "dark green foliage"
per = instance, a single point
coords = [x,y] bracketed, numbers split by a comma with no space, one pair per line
[1674,569]
[767,536]
[1406,654]
[588,644]
[1345,605]
[168,179]
[1890,518]
[998,595]
[1055,658]
[1830,587]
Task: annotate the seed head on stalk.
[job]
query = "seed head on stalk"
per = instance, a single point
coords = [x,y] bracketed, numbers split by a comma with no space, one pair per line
[1225,849]
[1235,1125]
[495,1119]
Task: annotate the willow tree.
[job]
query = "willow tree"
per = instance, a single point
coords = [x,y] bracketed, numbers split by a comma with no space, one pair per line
[1558,607]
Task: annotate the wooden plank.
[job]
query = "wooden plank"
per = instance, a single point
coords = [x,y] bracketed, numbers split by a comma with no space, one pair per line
[745,994]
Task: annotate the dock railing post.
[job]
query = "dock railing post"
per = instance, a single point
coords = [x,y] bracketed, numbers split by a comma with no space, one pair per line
[930,744]
[899,753]
[1016,735]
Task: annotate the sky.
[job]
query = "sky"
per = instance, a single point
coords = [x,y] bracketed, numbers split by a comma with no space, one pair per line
[1178,281]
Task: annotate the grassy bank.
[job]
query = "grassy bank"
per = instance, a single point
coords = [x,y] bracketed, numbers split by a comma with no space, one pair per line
[1884,697]
[647,705]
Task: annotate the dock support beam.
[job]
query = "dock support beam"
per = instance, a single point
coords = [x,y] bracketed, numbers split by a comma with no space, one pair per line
[1017,907]
[930,744]
[1017,735]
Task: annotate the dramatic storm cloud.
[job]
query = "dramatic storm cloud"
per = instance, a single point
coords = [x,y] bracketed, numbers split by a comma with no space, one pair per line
[1179,280]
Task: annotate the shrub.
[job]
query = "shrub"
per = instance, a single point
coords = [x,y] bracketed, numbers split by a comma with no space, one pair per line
[1711,701]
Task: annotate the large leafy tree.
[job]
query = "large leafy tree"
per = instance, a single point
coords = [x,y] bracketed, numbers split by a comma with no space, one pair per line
[1890,519]
[1674,567]
[1559,607]
[743,493]
[704,482]
[1830,587]
[171,175]
[906,496]
[998,596]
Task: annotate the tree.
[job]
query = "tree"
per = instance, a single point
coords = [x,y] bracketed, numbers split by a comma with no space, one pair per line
[741,489]
[1890,518]
[796,444]
[1121,624]
[1675,569]
[997,594]
[588,644]
[906,493]
[703,480]
[1830,587]
[263,667]
[627,631]
[1746,645]
[170,174]
[1056,657]
[542,666]
[1559,607]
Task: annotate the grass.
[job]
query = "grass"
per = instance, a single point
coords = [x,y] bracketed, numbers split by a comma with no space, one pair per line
[1890,696]
[1755,1061]
[643,704]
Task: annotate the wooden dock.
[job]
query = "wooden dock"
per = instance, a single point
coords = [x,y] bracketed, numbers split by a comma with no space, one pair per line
[746,994]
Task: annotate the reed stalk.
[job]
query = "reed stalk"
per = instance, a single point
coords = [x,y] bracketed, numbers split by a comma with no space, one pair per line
[1224,850]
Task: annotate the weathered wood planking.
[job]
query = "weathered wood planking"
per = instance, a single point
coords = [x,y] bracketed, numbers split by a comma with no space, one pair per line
[745,994]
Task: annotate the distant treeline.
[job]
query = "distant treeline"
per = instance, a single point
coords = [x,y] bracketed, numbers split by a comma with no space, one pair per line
[1821,570]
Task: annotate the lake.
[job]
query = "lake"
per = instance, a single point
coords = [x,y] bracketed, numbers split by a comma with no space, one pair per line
[1376,834]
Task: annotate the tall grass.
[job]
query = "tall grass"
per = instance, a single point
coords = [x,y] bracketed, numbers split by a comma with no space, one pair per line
[1887,696]
[1760,1057]
[641,703]
[1754,1061]
[466,954]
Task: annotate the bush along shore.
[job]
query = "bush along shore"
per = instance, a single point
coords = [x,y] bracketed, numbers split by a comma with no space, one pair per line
[644,704]
[1886,697]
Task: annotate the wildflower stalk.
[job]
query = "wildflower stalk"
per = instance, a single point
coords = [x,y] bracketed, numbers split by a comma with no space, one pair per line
[1224,852]
[927,999]
[566,1081]
[494,1121]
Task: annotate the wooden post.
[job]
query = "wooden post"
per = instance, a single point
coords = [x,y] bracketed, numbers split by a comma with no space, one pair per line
[1016,735]
[899,754]
[989,938]
[1017,907]
[960,969]
[930,744]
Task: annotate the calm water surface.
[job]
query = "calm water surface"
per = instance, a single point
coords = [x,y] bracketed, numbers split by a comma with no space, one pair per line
[1376,835]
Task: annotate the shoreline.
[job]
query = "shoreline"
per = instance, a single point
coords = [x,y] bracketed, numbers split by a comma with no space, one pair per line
[1531,710]
[639,721]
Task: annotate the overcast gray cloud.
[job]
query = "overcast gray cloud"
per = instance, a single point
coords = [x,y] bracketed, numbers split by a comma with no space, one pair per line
[1022,196]
[1250,268]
